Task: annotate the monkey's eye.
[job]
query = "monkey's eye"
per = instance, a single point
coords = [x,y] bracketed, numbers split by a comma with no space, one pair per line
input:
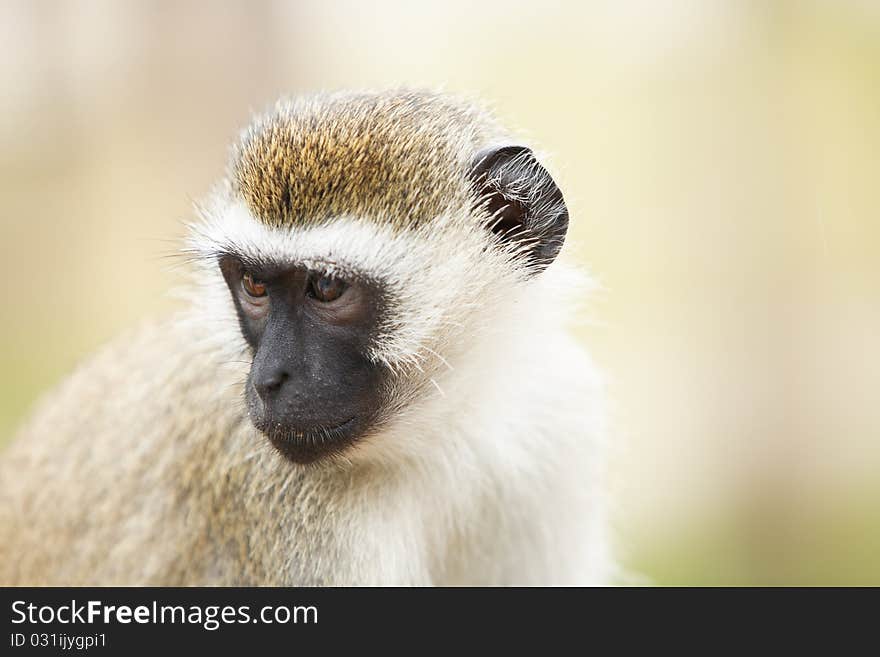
[253,288]
[326,289]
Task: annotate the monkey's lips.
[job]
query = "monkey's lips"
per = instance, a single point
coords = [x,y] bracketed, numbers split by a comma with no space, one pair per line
[310,444]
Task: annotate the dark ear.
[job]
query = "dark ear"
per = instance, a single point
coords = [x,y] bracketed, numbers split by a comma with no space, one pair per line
[525,205]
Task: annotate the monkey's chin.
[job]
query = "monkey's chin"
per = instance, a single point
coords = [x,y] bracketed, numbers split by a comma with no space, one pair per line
[313,444]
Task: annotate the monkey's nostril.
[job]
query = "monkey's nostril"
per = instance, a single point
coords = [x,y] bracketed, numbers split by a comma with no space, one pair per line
[270,384]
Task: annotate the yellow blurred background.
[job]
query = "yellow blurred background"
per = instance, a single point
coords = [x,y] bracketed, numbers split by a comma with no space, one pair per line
[721,161]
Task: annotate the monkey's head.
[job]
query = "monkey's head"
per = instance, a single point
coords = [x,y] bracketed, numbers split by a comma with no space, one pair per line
[366,240]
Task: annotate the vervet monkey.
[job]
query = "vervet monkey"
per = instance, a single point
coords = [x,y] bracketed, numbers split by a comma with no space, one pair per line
[372,381]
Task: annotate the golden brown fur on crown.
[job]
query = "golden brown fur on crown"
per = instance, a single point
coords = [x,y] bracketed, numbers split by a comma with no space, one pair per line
[399,157]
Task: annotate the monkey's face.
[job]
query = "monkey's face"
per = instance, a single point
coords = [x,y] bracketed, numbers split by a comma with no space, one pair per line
[312,388]
[368,242]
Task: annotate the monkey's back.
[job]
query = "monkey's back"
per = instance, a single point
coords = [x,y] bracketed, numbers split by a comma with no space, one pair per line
[93,486]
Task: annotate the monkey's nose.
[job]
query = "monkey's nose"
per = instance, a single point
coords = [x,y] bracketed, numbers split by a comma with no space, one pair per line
[268,385]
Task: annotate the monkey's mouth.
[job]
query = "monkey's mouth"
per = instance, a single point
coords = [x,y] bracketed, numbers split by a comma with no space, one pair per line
[311,444]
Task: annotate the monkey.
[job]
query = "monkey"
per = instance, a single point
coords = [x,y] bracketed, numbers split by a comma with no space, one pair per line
[371,379]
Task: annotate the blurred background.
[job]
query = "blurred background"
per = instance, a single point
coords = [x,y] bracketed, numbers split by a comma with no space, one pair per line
[721,161]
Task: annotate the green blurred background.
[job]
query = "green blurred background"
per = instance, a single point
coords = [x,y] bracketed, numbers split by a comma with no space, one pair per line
[722,165]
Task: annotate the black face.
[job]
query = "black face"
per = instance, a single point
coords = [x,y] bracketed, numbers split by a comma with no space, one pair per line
[312,389]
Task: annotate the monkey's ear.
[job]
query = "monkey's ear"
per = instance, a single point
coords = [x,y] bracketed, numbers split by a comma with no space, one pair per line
[525,204]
